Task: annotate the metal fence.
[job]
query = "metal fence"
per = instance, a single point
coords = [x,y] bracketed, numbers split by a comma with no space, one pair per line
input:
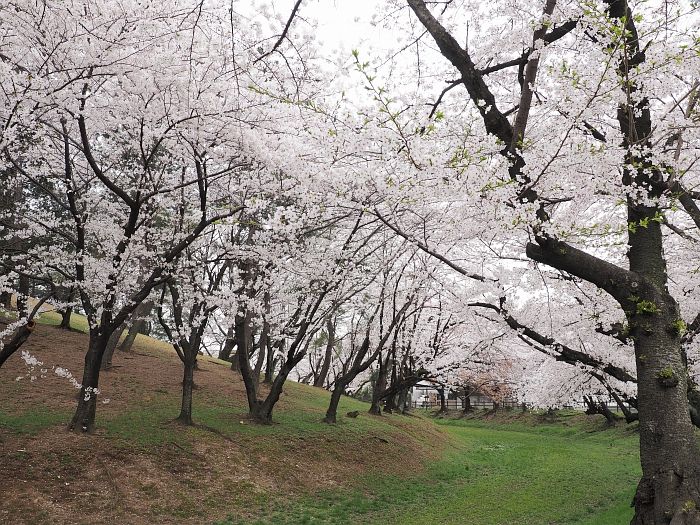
[458,404]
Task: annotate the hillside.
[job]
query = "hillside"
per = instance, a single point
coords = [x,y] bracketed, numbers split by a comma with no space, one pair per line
[139,467]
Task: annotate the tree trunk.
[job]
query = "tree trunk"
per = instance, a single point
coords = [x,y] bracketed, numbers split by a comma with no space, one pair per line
[111,345]
[236,360]
[598,407]
[190,353]
[270,361]
[67,311]
[332,412]
[264,340]
[669,454]
[22,296]
[668,450]
[84,417]
[390,400]
[402,404]
[263,411]
[379,386]
[229,344]
[138,325]
[65,317]
[330,344]
[18,340]
[343,381]
[630,417]
[6,301]
[443,404]
[243,331]
[467,401]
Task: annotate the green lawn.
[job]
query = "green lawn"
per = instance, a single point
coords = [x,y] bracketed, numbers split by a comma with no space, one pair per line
[512,474]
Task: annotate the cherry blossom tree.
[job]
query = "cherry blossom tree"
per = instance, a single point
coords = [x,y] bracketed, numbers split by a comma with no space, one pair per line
[128,119]
[560,181]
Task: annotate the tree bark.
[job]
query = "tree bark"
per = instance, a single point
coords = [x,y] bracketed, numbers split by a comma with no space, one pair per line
[378,386]
[332,412]
[84,417]
[402,404]
[343,381]
[229,344]
[330,344]
[243,330]
[138,326]
[17,340]
[263,410]
[66,314]
[67,311]
[467,401]
[111,346]
[443,404]
[264,339]
[6,301]
[189,351]
[270,362]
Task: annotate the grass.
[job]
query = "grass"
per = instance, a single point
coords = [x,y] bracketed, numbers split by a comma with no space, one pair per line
[487,469]
[513,473]
[32,421]
[77,321]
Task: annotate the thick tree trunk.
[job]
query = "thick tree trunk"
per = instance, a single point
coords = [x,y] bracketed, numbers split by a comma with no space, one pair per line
[243,331]
[668,450]
[443,403]
[390,404]
[330,344]
[229,344]
[185,416]
[379,386]
[332,412]
[669,454]
[111,346]
[137,327]
[402,404]
[84,417]
[263,412]
[467,401]
[66,314]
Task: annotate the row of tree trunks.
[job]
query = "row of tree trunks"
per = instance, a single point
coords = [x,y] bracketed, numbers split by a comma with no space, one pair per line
[138,325]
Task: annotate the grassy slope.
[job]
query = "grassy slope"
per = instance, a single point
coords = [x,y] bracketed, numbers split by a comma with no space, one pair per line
[510,469]
[141,468]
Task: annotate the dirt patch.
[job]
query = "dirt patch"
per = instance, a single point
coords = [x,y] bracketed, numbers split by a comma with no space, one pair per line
[199,475]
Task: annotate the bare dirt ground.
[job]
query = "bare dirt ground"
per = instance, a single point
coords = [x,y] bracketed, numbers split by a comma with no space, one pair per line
[198,475]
